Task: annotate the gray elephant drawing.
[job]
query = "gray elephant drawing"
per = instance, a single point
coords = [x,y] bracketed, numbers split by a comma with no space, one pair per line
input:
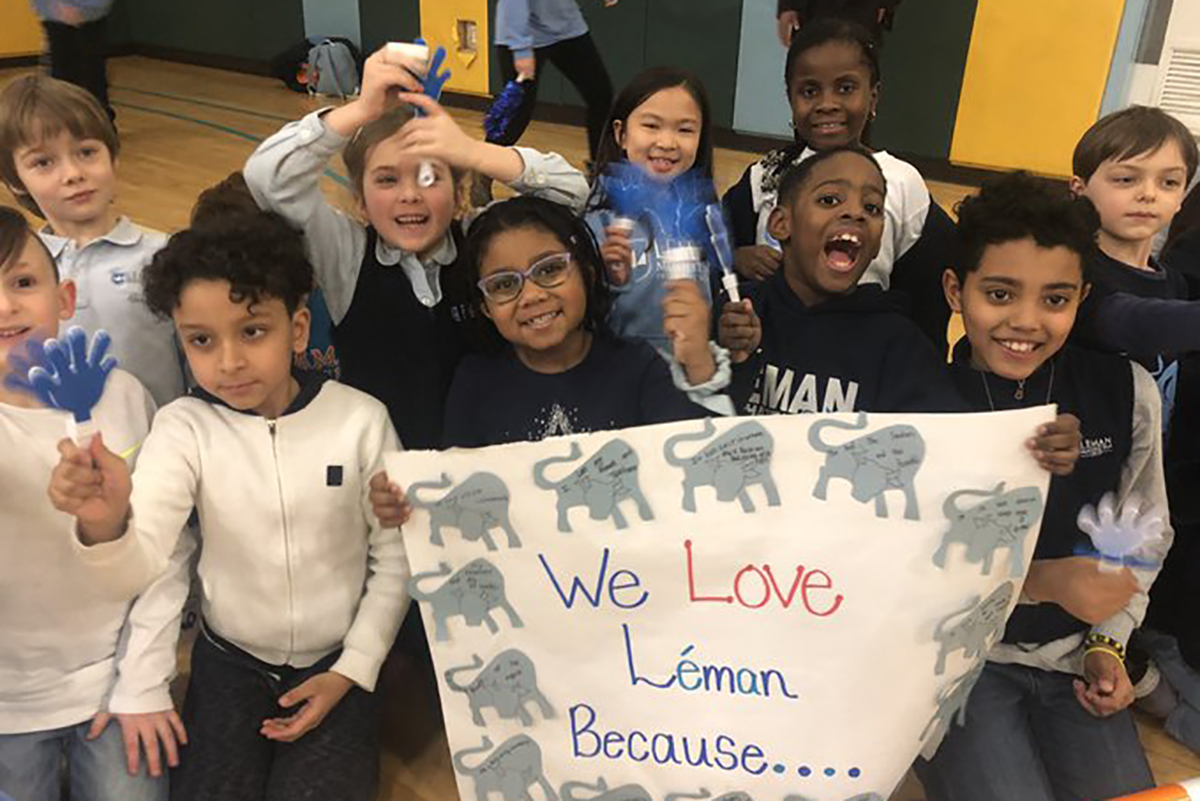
[736,795]
[887,459]
[980,625]
[472,593]
[951,706]
[601,483]
[600,792]
[474,507]
[1003,520]
[507,683]
[734,461]
[511,769]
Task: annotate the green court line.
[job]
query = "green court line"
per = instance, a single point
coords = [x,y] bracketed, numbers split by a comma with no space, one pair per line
[336,177]
[209,103]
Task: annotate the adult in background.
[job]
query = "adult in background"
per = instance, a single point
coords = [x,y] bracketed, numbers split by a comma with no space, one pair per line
[75,37]
[538,31]
[875,15]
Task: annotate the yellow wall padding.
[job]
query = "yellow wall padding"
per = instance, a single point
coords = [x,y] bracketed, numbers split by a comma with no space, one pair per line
[460,26]
[20,31]
[1035,76]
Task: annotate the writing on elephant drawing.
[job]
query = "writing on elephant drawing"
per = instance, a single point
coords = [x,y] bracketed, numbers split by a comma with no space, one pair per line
[874,464]
[951,707]
[510,770]
[977,629]
[474,507]
[738,459]
[1002,520]
[507,684]
[581,791]
[471,593]
[600,484]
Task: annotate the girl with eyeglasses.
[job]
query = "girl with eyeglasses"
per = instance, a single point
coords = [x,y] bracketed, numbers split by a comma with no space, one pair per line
[554,367]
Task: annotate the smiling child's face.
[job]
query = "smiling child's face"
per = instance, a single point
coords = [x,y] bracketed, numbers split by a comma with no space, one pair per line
[831,94]
[32,300]
[662,135]
[405,214]
[1019,306]
[832,227]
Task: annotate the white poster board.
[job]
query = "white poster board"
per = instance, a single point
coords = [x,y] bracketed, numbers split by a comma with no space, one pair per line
[771,608]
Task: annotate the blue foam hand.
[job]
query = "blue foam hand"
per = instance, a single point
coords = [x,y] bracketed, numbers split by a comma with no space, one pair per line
[72,379]
[1120,536]
[503,110]
[435,80]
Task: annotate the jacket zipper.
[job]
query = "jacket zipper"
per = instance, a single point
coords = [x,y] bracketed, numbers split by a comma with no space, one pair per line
[287,540]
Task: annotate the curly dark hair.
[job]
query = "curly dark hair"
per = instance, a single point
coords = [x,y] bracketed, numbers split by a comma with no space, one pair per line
[1022,206]
[259,254]
[556,220]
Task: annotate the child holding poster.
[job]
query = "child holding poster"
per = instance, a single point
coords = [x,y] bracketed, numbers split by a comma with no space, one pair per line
[1049,715]
[554,367]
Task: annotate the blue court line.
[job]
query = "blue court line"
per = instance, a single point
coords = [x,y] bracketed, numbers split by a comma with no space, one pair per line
[336,177]
[208,103]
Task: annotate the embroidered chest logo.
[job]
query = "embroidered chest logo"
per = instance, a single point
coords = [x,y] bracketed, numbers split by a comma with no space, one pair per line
[1092,447]
[462,312]
[333,475]
[119,277]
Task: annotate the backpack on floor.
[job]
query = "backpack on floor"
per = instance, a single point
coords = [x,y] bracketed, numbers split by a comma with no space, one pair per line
[294,66]
[333,69]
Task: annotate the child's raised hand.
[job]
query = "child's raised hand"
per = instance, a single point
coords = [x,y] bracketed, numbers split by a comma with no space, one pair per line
[686,322]
[436,135]
[739,330]
[617,253]
[94,486]
[388,501]
[757,262]
[1078,585]
[316,697]
[1105,688]
[383,76]
[1056,445]
[144,732]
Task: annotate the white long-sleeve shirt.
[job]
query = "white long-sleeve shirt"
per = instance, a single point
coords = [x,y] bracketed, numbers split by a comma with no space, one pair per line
[68,647]
[294,563]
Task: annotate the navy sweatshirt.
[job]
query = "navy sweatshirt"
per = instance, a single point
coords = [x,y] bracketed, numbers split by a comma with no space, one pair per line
[1098,389]
[619,384]
[851,353]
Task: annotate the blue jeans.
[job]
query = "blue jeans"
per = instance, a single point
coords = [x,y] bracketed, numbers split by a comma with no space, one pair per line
[30,767]
[1184,721]
[1026,737]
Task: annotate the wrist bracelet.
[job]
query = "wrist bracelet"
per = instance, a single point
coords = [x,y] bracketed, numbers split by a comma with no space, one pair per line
[1096,639]
[1103,649]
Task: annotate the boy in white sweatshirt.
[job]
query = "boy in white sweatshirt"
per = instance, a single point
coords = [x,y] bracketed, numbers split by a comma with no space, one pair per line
[72,655]
[302,591]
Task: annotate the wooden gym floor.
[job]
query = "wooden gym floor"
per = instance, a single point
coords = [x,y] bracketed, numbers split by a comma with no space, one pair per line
[183,129]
